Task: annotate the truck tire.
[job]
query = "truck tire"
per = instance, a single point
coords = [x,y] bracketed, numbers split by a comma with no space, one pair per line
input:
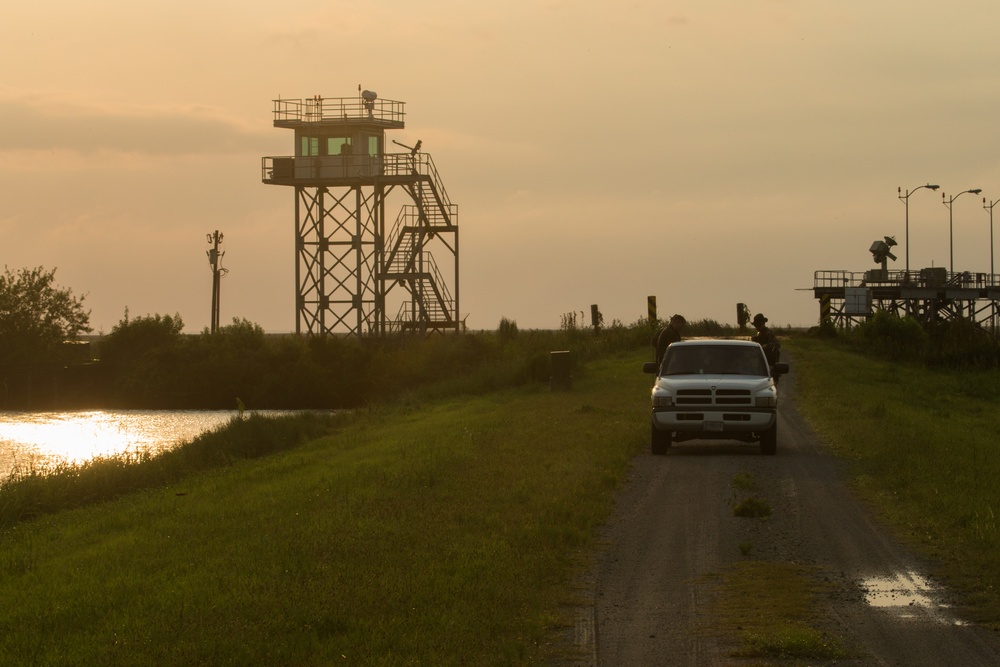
[769,441]
[661,440]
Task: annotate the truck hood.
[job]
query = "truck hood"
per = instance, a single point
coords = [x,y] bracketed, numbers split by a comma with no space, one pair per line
[747,382]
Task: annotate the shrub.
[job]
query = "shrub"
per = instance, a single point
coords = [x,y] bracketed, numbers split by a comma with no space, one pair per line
[892,337]
[956,343]
[507,329]
[960,343]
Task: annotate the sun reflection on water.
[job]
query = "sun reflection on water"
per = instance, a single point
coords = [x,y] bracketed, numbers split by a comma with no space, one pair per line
[42,440]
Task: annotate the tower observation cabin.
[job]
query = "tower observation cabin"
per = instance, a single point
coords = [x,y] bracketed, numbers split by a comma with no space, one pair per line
[358,272]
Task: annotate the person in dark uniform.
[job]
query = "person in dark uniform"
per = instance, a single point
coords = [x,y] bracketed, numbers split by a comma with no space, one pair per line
[766,338]
[667,335]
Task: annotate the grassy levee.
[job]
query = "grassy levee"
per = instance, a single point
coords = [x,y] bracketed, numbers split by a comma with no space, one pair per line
[432,533]
[924,448]
[31,491]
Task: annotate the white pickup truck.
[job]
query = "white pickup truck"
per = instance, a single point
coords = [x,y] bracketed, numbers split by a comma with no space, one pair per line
[715,389]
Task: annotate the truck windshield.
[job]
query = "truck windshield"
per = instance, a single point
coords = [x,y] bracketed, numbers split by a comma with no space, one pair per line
[714,360]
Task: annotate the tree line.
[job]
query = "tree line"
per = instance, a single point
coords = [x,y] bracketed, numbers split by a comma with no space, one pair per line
[147,362]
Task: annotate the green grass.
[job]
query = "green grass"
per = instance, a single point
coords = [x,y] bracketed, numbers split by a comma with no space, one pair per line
[923,447]
[768,607]
[752,507]
[744,481]
[448,532]
[440,533]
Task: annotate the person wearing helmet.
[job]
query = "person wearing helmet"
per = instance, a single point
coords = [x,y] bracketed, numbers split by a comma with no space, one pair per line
[766,338]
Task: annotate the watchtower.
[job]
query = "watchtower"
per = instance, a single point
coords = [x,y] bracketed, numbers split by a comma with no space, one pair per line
[351,275]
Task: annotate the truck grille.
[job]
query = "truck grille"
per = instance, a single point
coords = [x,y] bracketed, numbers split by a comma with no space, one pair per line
[718,397]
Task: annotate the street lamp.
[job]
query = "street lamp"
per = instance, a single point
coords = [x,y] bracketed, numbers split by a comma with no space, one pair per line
[951,234]
[993,303]
[989,207]
[906,203]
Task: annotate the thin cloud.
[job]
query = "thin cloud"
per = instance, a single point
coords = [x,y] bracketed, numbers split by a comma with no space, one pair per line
[37,123]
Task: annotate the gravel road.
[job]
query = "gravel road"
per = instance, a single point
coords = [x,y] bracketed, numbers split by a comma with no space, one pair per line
[673,527]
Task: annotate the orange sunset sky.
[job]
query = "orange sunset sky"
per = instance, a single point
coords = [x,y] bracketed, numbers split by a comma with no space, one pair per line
[707,152]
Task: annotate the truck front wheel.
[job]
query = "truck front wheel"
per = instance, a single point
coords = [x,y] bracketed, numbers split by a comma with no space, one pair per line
[769,441]
[661,440]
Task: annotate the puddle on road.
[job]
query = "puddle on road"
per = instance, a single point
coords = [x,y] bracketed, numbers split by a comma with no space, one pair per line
[903,590]
[908,595]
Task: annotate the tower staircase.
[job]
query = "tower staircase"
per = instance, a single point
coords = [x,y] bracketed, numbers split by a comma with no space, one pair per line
[407,263]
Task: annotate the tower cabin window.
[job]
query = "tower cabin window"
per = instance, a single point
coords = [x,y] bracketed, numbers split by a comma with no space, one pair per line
[338,146]
[310,146]
[317,146]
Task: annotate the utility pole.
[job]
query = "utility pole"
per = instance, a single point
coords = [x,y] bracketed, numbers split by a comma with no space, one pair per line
[214,259]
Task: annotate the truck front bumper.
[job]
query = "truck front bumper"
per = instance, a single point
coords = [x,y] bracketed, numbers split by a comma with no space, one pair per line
[714,422]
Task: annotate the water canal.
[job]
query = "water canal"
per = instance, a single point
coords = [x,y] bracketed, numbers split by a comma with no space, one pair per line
[45,439]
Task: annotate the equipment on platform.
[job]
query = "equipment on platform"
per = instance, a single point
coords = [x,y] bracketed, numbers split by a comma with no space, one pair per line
[369,96]
[880,250]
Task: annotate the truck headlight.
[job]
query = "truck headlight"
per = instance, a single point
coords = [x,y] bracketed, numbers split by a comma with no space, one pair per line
[662,400]
[766,401]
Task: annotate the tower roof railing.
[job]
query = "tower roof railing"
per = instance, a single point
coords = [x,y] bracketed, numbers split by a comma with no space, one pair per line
[336,110]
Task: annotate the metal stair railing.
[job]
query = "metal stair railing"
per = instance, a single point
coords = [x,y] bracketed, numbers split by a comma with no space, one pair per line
[435,216]
[437,280]
[403,225]
[430,294]
[429,275]
[421,164]
[408,223]
[401,261]
[404,318]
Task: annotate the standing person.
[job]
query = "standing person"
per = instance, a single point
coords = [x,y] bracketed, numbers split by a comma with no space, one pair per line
[767,339]
[667,335]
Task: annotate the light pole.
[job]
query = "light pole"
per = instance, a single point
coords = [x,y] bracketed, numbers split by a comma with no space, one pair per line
[906,203]
[951,234]
[993,307]
[989,207]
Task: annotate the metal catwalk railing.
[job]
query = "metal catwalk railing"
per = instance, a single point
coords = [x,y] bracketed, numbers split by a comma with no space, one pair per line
[332,109]
[928,278]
